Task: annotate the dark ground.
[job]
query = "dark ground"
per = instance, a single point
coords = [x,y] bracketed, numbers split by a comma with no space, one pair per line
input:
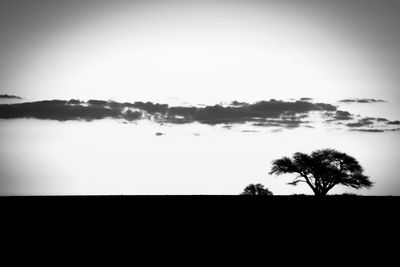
[204,218]
[205,204]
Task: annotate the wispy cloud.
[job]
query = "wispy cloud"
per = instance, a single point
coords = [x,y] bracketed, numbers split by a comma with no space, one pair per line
[361,100]
[361,122]
[367,130]
[372,124]
[10,96]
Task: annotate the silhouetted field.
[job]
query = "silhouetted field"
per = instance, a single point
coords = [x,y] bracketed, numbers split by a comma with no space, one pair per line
[176,199]
[206,204]
[230,216]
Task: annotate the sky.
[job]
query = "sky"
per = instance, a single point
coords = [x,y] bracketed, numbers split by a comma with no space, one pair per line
[338,59]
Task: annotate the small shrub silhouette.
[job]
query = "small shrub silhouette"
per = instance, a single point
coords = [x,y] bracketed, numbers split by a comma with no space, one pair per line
[256,190]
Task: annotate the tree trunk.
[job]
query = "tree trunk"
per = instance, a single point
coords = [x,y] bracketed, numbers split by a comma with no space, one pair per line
[320,193]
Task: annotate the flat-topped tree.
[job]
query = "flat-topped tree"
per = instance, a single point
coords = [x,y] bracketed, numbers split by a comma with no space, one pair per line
[322,170]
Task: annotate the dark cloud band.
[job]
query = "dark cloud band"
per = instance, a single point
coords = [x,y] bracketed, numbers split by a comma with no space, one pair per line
[237,112]
[62,110]
[272,113]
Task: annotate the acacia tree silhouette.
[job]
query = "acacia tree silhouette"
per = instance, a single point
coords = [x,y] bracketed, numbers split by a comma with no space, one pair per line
[322,170]
[256,190]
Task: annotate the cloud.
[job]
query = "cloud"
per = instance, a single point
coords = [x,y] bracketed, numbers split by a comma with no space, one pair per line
[132,115]
[240,112]
[361,100]
[97,102]
[10,96]
[272,113]
[326,107]
[244,112]
[285,120]
[75,102]
[250,131]
[338,116]
[369,130]
[238,104]
[361,123]
[342,115]
[372,124]
[280,123]
[62,110]
[393,122]
[151,107]
[381,119]
[393,130]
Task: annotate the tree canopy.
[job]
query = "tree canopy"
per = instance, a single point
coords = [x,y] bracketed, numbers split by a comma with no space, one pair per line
[256,190]
[322,170]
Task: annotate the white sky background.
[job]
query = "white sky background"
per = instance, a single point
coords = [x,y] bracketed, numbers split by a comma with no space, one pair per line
[108,157]
[198,52]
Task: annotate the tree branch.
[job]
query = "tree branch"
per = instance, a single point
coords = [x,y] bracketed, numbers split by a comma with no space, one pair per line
[307,180]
